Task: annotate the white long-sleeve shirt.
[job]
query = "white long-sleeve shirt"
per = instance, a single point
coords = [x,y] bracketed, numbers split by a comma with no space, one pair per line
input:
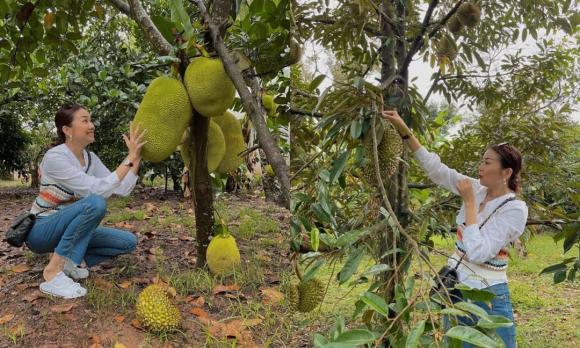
[60,168]
[481,245]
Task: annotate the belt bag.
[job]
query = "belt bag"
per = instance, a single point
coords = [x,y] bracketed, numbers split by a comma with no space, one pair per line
[19,229]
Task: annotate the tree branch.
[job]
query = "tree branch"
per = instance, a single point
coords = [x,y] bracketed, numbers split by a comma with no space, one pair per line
[121,6]
[306,112]
[325,20]
[254,109]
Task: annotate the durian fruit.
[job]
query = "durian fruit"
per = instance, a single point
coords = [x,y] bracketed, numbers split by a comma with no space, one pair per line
[155,310]
[454,25]
[306,295]
[216,147]
[446,47]
[165,112]
[209,87]
[389,148]
[223,255]
[469,14]
[235,144]
[269,104]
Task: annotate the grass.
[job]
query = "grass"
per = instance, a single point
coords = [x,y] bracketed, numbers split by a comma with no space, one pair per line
[13,184]
[546,314]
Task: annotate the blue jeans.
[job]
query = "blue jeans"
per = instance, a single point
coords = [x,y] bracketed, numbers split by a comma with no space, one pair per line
[74,233]
[500,305]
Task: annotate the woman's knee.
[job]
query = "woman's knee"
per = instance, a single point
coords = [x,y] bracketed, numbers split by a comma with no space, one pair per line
[98,204]
[130,242]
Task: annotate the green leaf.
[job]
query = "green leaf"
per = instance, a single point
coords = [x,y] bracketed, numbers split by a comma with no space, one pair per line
[453,311]
[350,238]
[164,25]
[471,335]
[338,166]
[376,303]
[472,308]
[315,239]
[496,321]
[350,266]
[377,269]
[355,129]
[40,72]
[415,335]
[356,337]
[316,82]
[559,276]
[553,268]
[312,270]
[475,294]
[179,11]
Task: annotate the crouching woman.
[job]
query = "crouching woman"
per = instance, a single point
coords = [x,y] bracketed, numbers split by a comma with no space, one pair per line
[71,203]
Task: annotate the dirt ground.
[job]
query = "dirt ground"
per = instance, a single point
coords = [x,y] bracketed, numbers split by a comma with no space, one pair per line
[247,310]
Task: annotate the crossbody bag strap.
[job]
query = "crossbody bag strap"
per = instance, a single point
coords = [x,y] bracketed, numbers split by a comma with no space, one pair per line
[486,219]
[89,164]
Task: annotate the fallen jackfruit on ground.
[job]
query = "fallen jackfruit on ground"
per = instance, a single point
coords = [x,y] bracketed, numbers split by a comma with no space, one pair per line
[165,112]
[235,143]
[209,87]
[306,295]
[155,310]
[223,255]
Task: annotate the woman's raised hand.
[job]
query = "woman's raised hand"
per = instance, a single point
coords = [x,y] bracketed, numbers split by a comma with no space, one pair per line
[396,120]
[134,141]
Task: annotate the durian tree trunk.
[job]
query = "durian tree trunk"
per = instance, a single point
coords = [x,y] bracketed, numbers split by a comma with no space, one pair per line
[251,101]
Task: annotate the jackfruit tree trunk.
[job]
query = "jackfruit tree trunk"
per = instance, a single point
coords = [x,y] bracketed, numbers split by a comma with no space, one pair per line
[251,102]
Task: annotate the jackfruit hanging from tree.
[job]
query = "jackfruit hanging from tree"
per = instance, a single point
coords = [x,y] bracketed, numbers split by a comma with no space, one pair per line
[469,14]
[209,87]
[269,104]
[222,255]
[454,25]
[235,143]
[306,295]
[216,147]
[165,112]
[389,149]
[155,310]
[447,48]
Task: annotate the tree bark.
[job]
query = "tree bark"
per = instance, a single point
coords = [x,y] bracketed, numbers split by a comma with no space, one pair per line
[251,102]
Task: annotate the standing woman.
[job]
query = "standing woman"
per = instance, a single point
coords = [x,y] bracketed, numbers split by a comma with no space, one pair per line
[485,250]
[71,203]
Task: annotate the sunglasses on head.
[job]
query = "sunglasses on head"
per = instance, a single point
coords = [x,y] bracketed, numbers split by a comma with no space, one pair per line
[504,143]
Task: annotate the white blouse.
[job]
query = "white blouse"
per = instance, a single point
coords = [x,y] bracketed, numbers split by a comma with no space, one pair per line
[60,166]
[504,227]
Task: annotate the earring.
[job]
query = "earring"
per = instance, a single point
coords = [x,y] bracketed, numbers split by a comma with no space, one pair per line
[70,137]
[504,182]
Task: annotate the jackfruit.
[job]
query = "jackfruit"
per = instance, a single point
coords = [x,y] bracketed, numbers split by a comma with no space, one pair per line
[209,87]
[454,25]
[223,255]
[235,144]
[446,48]
[269,104]
[216,147]
[469,14]
[306,295]
[155,310]
[165,112]
[389,148]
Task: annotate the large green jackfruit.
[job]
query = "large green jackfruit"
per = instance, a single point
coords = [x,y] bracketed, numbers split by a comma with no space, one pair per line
[165,112]
[235,144]
[209,87]
[155,310]
[216,147]
[223,255]
[389,149]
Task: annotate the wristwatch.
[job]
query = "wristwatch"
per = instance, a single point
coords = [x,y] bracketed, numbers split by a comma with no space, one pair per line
[127,162]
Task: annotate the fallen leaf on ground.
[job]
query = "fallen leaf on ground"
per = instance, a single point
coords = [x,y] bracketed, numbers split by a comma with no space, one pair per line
[95,339]
[149,207]
[119,318]
[119,345]
[63,308]
[125,284]
[124,225]
[198,301]
[272,295]
[32,296]
[185,238]
[6,318]
[102,283]
[199,312]
[218,289]
[136,324]
[235,329]
[20,268]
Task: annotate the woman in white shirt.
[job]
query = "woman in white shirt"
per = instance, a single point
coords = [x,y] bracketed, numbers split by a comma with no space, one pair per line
[71,203]
[485,250]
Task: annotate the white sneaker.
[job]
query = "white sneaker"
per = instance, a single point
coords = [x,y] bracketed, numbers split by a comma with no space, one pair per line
[63,286]
[74,271]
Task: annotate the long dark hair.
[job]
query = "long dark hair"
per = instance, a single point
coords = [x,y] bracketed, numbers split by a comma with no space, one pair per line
[510,157]
[64,117]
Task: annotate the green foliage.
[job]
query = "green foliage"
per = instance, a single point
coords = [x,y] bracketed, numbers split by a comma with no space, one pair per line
[13,142]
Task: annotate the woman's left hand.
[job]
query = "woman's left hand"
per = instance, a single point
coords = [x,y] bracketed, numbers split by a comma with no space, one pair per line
[465,189]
